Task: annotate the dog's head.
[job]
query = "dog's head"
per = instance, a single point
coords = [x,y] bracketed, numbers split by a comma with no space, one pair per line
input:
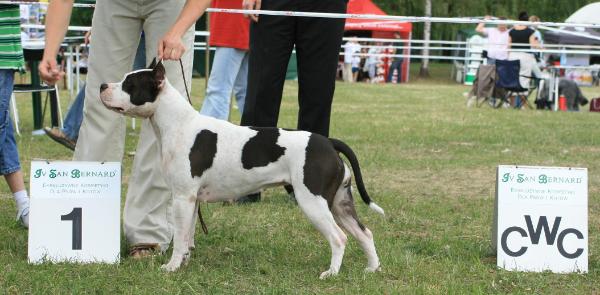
[137,94]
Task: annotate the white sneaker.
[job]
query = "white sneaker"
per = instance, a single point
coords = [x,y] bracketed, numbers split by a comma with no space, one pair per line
[23,214]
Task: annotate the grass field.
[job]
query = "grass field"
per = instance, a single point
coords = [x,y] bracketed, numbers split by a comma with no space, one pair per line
[426,159]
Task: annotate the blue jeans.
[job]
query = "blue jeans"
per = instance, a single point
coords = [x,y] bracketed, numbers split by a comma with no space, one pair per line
[9,155]
[229,73]
[75,115]
[396,66]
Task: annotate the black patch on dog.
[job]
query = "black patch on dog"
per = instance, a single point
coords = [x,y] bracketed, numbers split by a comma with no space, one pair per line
[203,152]
[262,148]
[142,87]
[323,168]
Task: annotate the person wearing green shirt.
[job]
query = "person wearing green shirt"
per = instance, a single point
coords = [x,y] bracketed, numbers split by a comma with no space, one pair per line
[11,60]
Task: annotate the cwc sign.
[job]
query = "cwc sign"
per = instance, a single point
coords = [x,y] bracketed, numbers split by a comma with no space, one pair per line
[541,219]
[535,235]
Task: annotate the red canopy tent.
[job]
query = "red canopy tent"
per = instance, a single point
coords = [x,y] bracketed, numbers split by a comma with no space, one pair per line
[379,28]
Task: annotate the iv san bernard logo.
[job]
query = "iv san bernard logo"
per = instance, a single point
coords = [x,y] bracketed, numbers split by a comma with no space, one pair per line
[541,219]
[73,173]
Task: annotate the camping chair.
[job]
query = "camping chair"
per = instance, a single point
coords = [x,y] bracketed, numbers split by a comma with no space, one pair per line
[508,78]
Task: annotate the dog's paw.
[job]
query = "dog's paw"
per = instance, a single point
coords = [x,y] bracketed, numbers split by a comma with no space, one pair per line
[327,273]
[373,269]
[170,267]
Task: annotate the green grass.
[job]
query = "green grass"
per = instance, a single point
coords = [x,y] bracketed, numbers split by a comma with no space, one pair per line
[426,159]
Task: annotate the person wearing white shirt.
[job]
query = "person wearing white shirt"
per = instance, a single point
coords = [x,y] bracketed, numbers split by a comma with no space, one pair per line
[350,49]
[497,40]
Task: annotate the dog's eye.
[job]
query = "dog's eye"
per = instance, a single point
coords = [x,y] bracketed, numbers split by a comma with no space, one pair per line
[127,86]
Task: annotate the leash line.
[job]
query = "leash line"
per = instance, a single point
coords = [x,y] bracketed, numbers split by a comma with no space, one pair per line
[185,82]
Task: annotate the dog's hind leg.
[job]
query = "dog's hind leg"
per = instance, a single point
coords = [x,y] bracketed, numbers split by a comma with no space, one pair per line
[317,211]
[183,213]
[345,213]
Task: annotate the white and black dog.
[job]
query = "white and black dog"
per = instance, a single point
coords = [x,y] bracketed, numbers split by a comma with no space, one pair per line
[210,160]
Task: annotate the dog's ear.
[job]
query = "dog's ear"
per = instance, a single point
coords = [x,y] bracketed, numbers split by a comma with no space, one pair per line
[159,73]
[152,64]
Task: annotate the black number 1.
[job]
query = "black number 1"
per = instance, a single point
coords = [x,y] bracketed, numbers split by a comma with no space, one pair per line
[75,216]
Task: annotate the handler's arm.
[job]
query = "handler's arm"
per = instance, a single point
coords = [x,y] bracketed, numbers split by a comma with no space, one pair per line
[481,26]
[171,47]
[57,22]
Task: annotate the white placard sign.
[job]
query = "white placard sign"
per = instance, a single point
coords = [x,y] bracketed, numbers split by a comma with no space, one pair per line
[541,219]
[75,212]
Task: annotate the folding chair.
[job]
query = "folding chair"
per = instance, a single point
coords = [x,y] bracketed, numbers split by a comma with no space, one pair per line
[508,78]
[33,56]
[52,93]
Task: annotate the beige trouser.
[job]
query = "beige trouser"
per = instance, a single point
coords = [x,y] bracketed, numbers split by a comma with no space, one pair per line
[117,27]
[347,73]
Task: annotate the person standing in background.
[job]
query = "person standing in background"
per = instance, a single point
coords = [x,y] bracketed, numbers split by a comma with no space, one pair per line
[538,36]
[11,60]
[373,59]
[350,49]
[522,38]
[229,32]
[272,39]
[356,60]
[117,26]
[497,40]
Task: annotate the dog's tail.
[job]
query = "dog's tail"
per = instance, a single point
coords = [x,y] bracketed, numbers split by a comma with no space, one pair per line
[343,148]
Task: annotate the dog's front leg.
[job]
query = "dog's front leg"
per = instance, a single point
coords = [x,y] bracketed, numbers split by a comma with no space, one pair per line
[191,244]
[183,214]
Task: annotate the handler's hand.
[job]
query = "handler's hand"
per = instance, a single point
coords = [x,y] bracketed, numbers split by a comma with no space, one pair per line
[170,47]
[87,37]
[251,5]
[49,71]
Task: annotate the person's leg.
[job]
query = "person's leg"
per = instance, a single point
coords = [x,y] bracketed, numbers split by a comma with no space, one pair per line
[147,213]
[318,42]
[74,117]
[372,71]
[241,83]
[10,166]
[271,44]
[139,62]
[348,72]
[226,65]
[112,49]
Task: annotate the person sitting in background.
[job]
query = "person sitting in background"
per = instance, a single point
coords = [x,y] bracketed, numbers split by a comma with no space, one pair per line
[497,40]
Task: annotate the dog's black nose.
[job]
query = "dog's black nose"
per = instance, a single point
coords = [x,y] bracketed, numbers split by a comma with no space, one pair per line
[103,87]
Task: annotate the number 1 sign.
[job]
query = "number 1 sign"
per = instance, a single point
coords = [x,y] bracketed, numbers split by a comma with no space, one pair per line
[75,212]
